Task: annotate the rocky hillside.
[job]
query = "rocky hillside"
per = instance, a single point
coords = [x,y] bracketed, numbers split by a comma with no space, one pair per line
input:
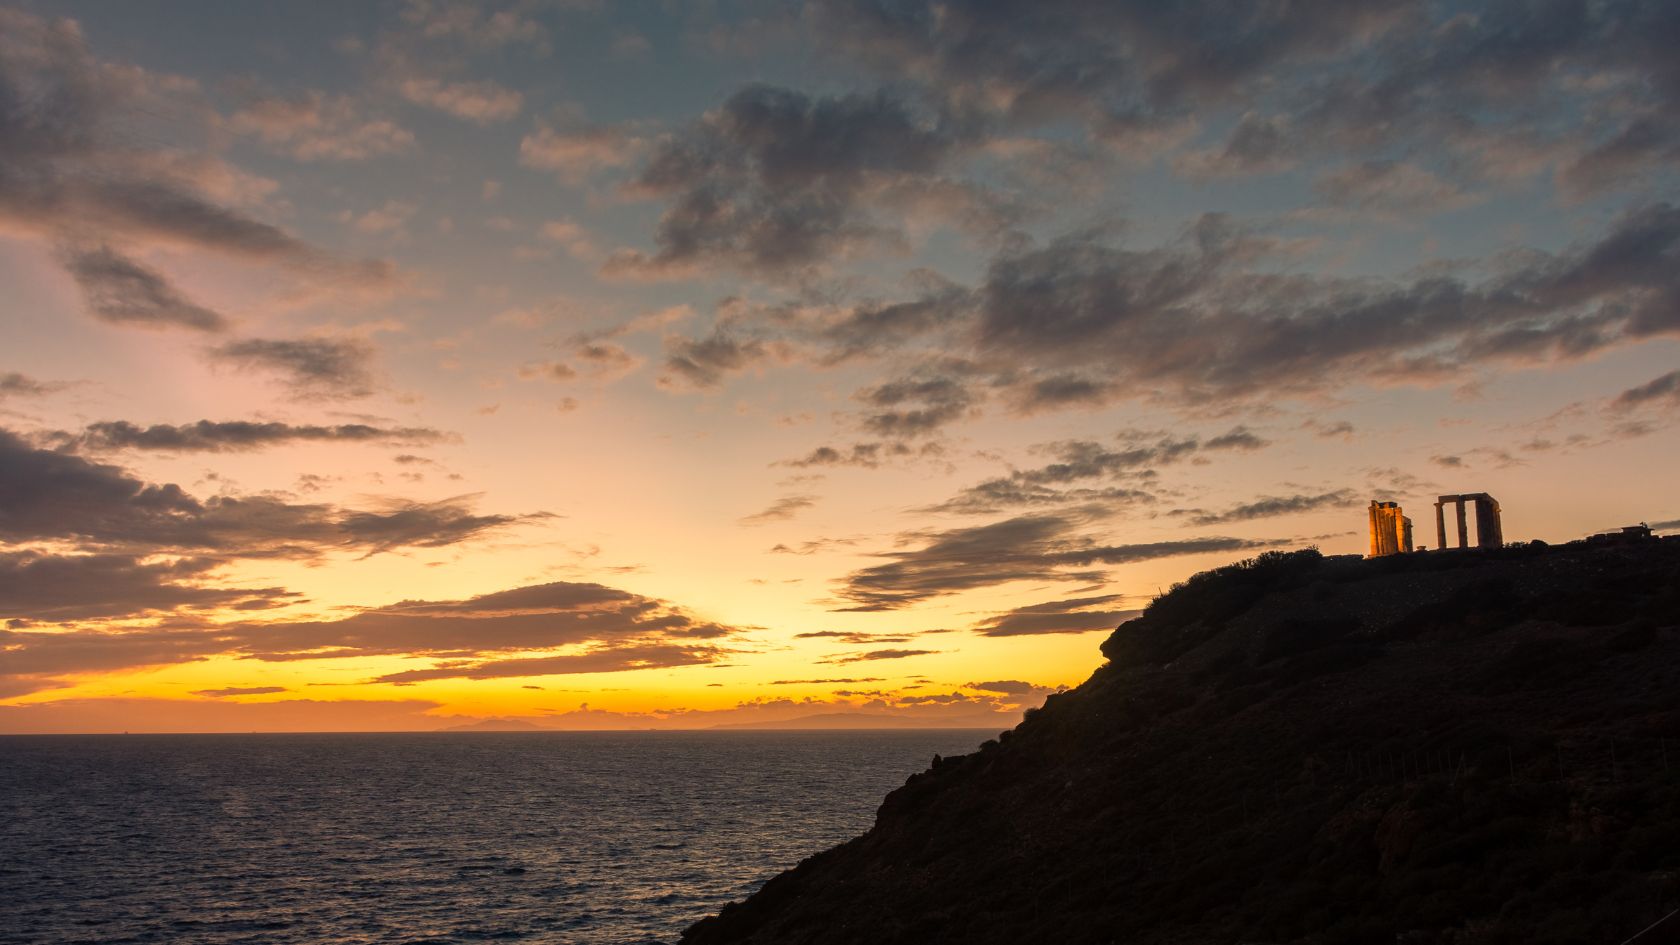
[1462,747]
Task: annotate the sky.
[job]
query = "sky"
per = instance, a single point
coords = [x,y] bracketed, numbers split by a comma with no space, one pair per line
[398,366]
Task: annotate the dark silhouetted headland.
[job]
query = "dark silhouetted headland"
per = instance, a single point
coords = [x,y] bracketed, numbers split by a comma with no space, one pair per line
[1465,747]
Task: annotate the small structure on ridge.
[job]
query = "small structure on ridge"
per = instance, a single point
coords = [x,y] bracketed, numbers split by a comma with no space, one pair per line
[1626,535]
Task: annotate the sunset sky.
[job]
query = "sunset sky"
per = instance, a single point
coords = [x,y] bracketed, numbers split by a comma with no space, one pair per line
[377,366]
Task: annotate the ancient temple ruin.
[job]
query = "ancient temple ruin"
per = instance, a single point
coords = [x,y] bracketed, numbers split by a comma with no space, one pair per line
[1391,530]
[1489,533]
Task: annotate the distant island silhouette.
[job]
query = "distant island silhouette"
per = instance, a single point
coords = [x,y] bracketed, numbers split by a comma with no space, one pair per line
[834,721]
[496,725]
[1476,746]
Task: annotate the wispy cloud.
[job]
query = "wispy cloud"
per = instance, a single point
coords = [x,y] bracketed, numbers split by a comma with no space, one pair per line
[315,126]
[1049,547]
[124,292]
[1657,390]
[62,497]
[314,368]
[1073,615]
[780,510]
[870,656]
[537,630]
[234,436]
[1275,505]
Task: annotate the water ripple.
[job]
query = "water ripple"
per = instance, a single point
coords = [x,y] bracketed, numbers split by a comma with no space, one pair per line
[586,838]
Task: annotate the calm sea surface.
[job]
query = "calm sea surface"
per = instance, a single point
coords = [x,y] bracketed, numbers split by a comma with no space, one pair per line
[522,837]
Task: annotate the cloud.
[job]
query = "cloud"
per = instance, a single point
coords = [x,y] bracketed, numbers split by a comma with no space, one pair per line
[1642,145]
[1272,506]
[1207,318]
[1258,144]
[401,523]
[1205,321]
[547,629]
[775,181]
[315,126]
[578,152]
[1003,494]
[818,682]
[1392,187]
[601,629]
[238,691]
[1238,438]
[557,371]
[54,496]
[572,237]
[236,436]
[780,510]
[1008,687]
[72,164]
[1660,389]
[865,455]
[875,328]
[1079,460]
[844,636]
[1191,319]
[1056,391]
[472,25]
[914,407]
[314,368]
[37,660]
[873,655]
[1497,91]
[1122,68]
[611,659]
[13,384]
[1045,547]
[885,708]
[390,217]
[1339,429]
[482,102]
[1075,615]
[704,363]
[121,291]
[41,587]
[812,546]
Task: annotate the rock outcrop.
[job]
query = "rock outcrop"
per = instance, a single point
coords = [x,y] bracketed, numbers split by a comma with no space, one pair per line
[1461,747]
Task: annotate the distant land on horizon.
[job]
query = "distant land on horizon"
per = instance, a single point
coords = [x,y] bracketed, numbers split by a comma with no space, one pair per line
[496,725]
[826,721]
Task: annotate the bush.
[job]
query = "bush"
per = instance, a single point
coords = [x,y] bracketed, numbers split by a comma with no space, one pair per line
[1195,610]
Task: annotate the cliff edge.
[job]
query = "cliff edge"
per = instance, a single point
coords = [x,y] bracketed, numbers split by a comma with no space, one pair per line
[1461,747]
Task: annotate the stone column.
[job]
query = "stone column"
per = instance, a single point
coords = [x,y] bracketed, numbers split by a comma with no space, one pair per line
[1463,526]
[1440,527]
[1489,533]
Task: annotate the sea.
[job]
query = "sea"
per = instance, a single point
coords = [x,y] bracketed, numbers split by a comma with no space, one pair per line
[539,837]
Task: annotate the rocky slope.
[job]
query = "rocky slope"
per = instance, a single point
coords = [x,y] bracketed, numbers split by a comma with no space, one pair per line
[1463,747]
